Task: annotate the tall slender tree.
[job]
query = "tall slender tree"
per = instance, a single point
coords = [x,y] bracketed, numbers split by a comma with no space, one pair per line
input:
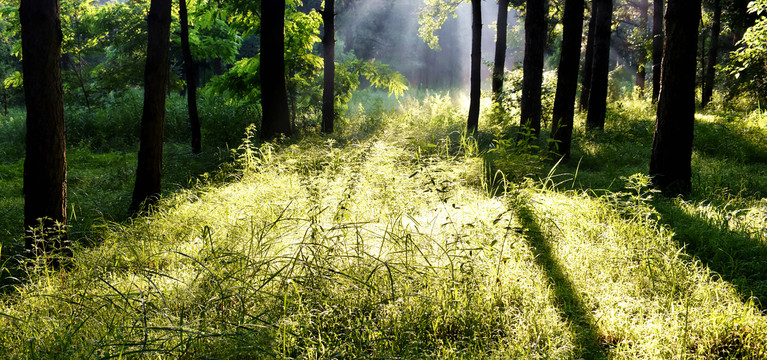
[588,62]
[476,63]
[329,50]
[595,119]
[641,50]
[532,78]
[657,46]
[567,78]
[500,47]
[45,165]
[670,167]
[713,54]
[275,119]
[190,68]
[149,172]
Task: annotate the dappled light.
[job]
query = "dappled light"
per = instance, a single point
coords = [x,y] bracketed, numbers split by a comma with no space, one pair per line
[367,214]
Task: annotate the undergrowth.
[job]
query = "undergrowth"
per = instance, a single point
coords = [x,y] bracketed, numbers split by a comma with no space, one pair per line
[386,244]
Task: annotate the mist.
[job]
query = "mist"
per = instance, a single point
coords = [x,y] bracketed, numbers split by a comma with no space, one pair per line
[388,31]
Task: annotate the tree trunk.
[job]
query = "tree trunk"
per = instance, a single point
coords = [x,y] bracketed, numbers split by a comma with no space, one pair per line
[149,172]
[329,52]
[45,165]
[190,68]
[500,48]
[713,52]
[274,92]
[644,6]
[600,70]
[532,78]
[672,142]
[476,63]
[657,47]
[567,79]
[588,62]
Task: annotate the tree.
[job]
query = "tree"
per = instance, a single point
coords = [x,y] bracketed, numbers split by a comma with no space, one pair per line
[567,78]
[532,78]
[500,47]
[588,61]
[275,119]
[329,50]
[190,68]
[600,67]
[641,50]
[149,172]
[657,47]
[670,167]
[476,62]
[713,52]
[45,165]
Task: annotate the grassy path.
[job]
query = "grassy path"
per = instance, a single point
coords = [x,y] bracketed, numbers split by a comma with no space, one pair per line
[379,249]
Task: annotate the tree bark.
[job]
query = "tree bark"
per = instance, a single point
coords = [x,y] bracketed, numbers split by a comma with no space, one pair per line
[644,6]
[713,54]
[329,52]
[274,92]
[600,69]
[670,166]
[567,79]
[149,172]
[532,78]
[500,48]
[588,62]
[190,68]
[476,63]
[45,165]
[657,47]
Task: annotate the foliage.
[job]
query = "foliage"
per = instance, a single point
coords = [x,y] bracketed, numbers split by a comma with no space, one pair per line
[749,61]
[433,14]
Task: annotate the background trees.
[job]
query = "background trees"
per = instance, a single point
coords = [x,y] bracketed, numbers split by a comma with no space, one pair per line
[476,61]
[602,12]
[672,142]
[149,172]
[535,46]
[567,78]
[274,97]
[329,55]
[45,166]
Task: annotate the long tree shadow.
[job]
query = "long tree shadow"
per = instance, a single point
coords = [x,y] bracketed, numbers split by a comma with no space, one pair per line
[586,334]
[737,257]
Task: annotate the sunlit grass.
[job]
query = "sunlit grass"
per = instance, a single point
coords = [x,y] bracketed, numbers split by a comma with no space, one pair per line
[384,243]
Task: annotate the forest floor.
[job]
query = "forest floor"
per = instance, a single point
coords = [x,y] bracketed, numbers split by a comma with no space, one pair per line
[406,239]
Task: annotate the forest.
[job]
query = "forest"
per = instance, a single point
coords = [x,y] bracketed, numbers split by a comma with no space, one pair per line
[398,179]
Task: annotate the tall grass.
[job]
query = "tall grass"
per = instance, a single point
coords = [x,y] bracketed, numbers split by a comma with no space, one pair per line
[386,245]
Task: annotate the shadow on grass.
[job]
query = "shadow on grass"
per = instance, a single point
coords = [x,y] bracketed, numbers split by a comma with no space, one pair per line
[738,257]
[567,297]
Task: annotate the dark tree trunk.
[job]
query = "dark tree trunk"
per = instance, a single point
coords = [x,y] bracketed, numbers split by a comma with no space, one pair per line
[588,62]
[274,92]
[190,67]
[713,54]
[672,142]
[500,48]
[600,69]
[329,52]
[476,63]
[532,78]
[644,7]
[567,79]
[149,172]
[657,47]
[45,165]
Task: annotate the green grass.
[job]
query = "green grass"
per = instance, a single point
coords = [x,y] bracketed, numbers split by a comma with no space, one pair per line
[383,242]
